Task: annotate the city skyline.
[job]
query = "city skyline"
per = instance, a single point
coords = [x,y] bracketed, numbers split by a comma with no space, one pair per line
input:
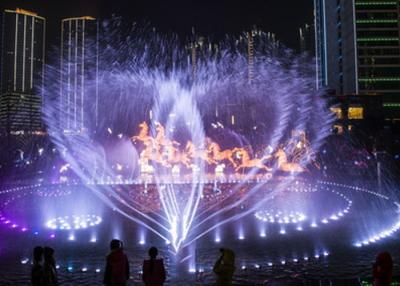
[208,18]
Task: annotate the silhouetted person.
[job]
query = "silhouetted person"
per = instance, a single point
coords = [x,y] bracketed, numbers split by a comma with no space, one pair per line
[49,268]
[383,269]
[37,267]
[117,265]
[225,267]
[153,269]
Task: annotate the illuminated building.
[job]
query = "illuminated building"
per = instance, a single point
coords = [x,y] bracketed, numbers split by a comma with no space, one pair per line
[255,41]
[307,39]
[307,46]
[250,55]
[200,48]
[358,49]
[79,60]
[22,46]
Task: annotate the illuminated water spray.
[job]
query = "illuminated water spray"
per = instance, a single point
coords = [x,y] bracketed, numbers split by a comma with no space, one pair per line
[144,118]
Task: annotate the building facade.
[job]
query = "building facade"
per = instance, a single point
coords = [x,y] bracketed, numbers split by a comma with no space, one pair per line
[307,39]
[78,74]
[22,46]
[358,49]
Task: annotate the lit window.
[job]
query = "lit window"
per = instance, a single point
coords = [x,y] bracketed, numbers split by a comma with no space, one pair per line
[356,113]
[338,129]
[337,111]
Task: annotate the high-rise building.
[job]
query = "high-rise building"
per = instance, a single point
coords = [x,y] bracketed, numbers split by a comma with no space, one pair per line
[200,48]
[307,39]
[358,49]
[22,46]
[79,72]
[253,42]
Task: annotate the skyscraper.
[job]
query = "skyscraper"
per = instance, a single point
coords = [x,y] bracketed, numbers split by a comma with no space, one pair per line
[78,76]
[358,49]
[22,45]
[307,39]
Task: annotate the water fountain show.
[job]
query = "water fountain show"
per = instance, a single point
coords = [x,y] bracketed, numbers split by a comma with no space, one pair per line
[192,148]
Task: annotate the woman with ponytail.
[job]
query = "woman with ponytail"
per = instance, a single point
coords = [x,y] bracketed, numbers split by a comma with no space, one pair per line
[153,269]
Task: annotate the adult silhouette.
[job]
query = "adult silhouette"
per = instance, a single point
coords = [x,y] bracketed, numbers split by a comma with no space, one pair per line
[225,267]
[383,269]
[37,267]
[49,268]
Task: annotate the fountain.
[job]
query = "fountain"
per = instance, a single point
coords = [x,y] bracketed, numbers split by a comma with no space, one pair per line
[178,109]
[188,158]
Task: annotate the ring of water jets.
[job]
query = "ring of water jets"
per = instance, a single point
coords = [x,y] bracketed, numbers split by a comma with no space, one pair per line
[384,230]
[73,222]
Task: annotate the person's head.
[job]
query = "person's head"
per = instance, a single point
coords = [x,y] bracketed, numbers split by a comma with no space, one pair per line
[153,252]
[37,253]
[115,244]
[384,258]
[228,256]
[48,253]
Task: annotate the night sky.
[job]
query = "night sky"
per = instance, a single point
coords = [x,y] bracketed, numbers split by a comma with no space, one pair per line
[213,18]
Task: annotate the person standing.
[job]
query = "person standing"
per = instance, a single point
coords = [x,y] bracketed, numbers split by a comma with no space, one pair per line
[383,269]
[225,267]
[153,269]
[37,268]
[117,265]
[49,268]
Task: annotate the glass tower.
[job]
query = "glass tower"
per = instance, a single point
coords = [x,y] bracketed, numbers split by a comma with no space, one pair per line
[22,46]
[78,76]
